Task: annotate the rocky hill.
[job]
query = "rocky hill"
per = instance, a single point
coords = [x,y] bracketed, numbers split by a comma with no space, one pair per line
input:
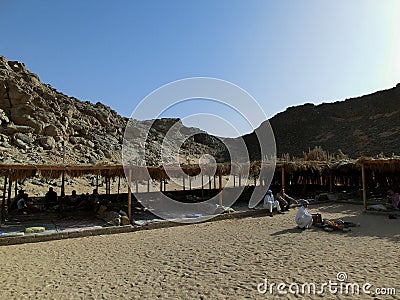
[367,125]
[40,125]
[36,120]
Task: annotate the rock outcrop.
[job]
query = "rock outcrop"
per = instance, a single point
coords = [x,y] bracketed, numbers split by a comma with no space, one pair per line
[39,125]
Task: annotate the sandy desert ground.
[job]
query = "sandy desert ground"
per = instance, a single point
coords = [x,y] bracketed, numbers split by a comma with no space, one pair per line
[229,259]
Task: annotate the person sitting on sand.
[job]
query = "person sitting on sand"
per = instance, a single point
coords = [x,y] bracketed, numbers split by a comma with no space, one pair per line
[94,200]
[21,204]
[74,199]
[285,200]
[393,199]
[303,219]
[14,202]
[51,198]
[24,206]
[270,203]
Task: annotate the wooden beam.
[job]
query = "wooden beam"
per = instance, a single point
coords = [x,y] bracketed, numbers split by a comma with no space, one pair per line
[202,186]
[129,195]
[119,183]
[9,193]
[63,184]
[283,177]
[220,188]
[364,185]
[3,203]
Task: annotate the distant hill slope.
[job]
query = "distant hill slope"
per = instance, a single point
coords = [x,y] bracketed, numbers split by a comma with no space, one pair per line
[366,125]
[35,120]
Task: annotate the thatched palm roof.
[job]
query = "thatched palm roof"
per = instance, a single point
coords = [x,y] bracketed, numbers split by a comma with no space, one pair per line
[301,167]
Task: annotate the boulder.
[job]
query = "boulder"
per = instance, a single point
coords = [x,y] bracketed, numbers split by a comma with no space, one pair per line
[72,140]
[20,144]
[3,117]
[89,144]
[27,120]
[47,142]
[11,129]
[17,96]
[23,137]
[51,130]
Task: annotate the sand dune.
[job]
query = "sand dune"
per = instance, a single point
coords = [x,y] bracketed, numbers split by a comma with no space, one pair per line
[215,260]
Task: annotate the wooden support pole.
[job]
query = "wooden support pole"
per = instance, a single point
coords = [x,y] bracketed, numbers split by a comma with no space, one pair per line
[240,180]
[234,180]
[364,186]
[209,182]
[119,183]
[161,185]
[215,183]
[330,182]
[63,184]
[183,179]
[220,188]
[3,203]
[9,193]
[148,185]
[16,189]
[97,182]
[283,177]
[129,195]
[202,186]
[190,182]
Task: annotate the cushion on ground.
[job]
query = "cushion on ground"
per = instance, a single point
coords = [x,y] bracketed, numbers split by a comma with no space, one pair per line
[34,229]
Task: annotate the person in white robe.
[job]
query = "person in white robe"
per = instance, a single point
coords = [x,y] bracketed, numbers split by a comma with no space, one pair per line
[303,218]
[270,203]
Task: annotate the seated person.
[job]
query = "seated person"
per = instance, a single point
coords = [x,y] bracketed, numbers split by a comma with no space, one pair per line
[285,200]
[73,200]
[94,200]
[51,198]
[270,203]
[14,202]
[393,200]
[303,219]
[21,204]
[24,206]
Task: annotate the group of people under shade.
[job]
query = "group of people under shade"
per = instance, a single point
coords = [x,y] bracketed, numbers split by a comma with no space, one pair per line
[52,201]
[282,203]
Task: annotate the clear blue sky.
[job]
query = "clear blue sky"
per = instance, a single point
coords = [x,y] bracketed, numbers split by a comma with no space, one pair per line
[284,53]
